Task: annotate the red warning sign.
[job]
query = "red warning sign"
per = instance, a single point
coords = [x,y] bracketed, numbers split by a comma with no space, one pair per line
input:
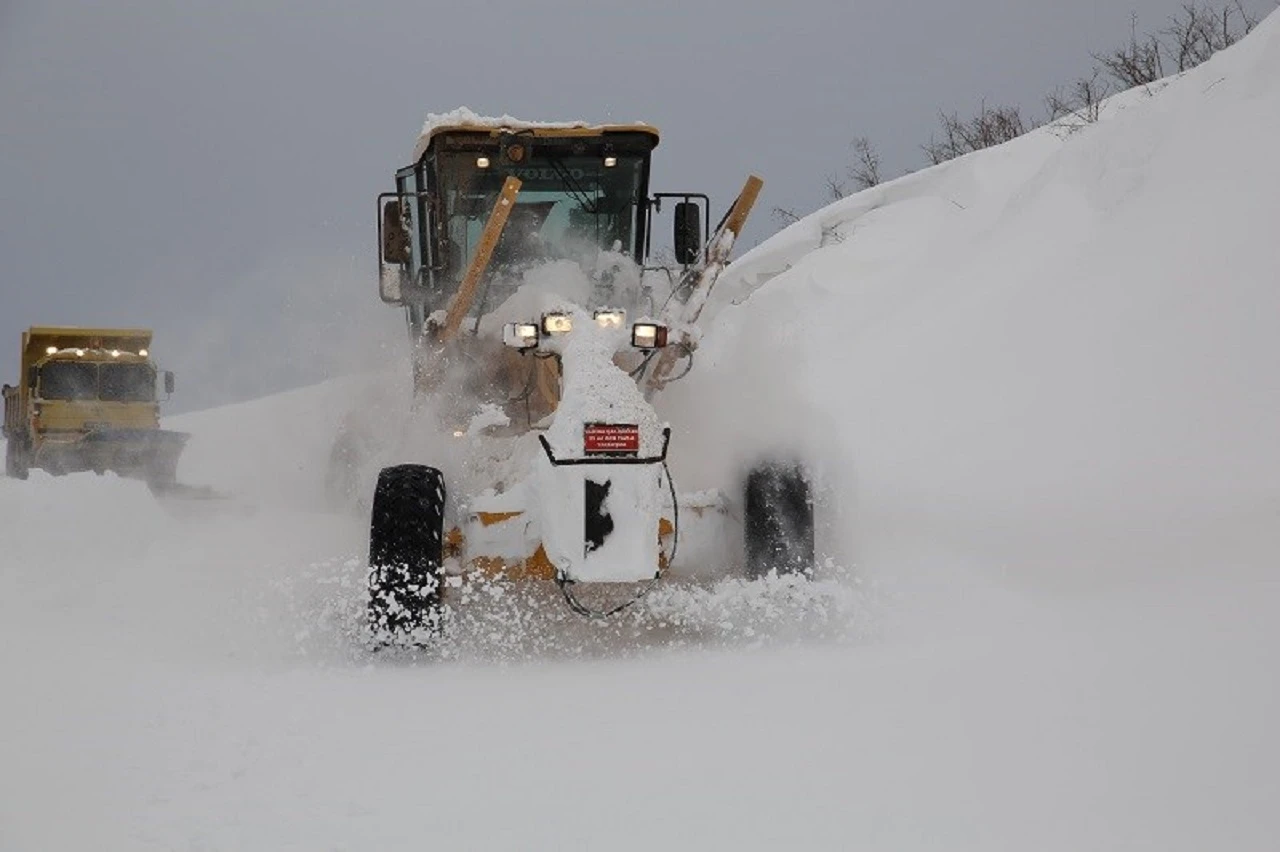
[619,438]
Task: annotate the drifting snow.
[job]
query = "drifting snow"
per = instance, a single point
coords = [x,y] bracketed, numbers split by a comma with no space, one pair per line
[1040,381]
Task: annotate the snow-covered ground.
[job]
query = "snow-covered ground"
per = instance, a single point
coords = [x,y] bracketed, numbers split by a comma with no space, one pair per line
[1043,382]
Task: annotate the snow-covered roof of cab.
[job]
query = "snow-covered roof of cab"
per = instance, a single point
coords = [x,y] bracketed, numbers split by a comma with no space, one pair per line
[465,119]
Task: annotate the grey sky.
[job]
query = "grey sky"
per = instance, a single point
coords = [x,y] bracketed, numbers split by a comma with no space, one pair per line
[209,167]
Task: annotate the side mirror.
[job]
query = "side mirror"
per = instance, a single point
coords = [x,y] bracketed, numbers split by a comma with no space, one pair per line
[33,373]
[168,382]
[395,237]
[688,232]
[391,283]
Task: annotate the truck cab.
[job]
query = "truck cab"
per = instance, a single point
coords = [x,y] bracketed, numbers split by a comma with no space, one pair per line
[87,400]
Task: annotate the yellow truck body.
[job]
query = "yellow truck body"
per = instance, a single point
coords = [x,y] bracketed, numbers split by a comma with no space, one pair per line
[86,400]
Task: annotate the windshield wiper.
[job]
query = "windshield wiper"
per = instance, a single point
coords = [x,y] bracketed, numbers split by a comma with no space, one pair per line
[579,193]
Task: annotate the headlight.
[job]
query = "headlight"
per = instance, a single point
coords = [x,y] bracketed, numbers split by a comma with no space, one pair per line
[557,323]
[610,318]
[142,353]
[648,335]
[520,335]
[52,350]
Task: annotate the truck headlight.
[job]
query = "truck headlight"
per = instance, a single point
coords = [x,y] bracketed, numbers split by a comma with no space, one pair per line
[557,323]
[610,318]
[648,335]
[520,335]
[52,350]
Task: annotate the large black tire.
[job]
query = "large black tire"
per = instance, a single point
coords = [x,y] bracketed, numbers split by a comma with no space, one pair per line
[17,463]
[406,553]
[778,523]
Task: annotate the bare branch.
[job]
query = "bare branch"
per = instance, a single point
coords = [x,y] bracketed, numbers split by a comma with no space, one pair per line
[1057,105]
[865,171]
[786,216]
[1080,106]
[1138,63]
[1089,93]
[835,188]
[1198,32]
[989,127]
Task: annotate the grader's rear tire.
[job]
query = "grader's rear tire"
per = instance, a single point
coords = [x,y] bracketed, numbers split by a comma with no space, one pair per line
[406,553]
[778,520]
[17,463]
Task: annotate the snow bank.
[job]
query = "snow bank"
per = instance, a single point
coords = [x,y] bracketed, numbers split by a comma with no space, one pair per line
[1054,359]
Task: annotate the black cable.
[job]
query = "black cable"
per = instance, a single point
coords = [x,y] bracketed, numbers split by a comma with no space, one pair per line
[527,390]
[587,612]
[688,353]
[675,515]
[643,364]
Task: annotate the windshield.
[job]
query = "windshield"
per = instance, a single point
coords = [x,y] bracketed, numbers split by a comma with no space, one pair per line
[127,383]
[568,207]
[78,380]
[69,380]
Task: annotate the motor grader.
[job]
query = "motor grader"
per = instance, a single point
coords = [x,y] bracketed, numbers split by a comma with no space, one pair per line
[541,330]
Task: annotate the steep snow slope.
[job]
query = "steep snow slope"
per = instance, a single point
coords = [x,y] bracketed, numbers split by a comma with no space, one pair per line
[1052,356]
[1041,381]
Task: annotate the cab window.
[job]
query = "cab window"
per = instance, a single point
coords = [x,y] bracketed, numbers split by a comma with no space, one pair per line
[68,380]
[127,383]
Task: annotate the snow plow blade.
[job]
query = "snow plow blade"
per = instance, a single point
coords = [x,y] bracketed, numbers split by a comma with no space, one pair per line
[181,491]
[148,454]
[133,452]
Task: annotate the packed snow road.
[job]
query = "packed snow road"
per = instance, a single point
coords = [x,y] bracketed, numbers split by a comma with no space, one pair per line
[177,683]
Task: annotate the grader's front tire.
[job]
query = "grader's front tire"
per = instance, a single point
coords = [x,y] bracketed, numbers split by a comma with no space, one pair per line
[406,554]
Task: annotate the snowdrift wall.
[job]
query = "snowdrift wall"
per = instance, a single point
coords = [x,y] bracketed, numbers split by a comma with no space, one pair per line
[1056,358]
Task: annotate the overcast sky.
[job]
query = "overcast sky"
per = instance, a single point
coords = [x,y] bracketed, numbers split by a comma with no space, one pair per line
[209,167]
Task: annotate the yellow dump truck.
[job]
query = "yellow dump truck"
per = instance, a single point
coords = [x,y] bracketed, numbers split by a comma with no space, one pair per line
[87,400]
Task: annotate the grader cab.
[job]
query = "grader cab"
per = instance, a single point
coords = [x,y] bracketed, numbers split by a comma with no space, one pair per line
[568,192]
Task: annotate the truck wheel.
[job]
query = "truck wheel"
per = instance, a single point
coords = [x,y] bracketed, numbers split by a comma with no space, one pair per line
[16,463]
[778,520]
[406,552]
